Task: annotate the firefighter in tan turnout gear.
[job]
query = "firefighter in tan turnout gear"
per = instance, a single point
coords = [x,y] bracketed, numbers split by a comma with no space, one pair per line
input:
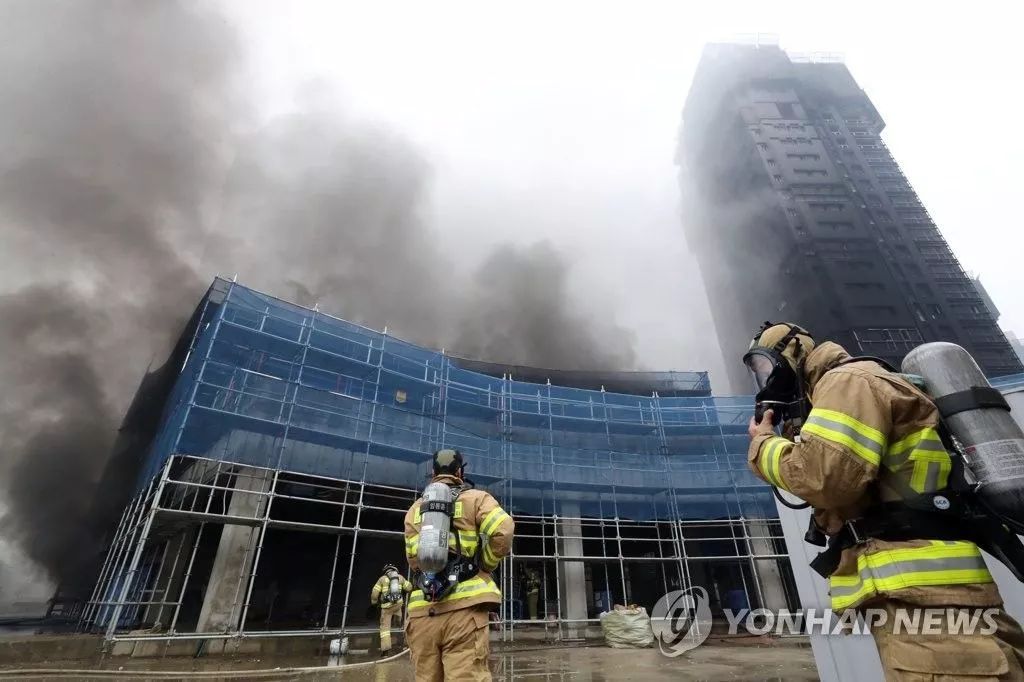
[447,628]
[869,440]
[389,594]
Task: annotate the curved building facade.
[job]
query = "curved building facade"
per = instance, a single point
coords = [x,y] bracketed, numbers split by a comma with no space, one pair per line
[292,442]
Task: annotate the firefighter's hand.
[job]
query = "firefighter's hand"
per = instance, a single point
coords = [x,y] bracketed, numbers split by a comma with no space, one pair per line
[755,429]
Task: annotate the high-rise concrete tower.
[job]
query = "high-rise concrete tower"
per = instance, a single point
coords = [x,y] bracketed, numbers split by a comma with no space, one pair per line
[797,212]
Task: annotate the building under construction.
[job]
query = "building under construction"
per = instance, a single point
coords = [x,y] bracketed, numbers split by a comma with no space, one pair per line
[290,444]
[796,208]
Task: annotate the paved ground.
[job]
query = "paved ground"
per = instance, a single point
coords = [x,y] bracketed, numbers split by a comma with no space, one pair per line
[745,660]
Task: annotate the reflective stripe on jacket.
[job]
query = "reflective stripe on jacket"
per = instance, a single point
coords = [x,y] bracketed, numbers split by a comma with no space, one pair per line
[476,515]
[871,437]
[884,571]
[481,585]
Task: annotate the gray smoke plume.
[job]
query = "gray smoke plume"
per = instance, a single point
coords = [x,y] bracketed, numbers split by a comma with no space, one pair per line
[113,115]
[331,206]
[520,312]
[323,209]
[124,186]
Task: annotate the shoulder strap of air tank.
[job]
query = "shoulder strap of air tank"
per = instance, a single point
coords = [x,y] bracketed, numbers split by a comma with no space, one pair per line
[436,506]
[974,398]
[869,358]
[458,490]
[445,507]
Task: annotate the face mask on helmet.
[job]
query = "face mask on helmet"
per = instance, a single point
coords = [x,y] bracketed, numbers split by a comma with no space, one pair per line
[778,386]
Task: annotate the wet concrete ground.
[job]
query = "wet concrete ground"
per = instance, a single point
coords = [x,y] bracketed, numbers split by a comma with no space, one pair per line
[751,660]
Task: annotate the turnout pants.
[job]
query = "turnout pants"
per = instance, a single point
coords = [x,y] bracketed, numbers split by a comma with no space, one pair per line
[450,646]
[946,656]
[387,613]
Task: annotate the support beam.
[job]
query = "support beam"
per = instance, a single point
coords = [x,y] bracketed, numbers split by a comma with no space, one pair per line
[573,583]
[170,574]
[766,571]
[233,563]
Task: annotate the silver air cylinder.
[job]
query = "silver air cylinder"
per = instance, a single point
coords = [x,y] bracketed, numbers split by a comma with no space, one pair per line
[395,586]
[992,440]
[434,528]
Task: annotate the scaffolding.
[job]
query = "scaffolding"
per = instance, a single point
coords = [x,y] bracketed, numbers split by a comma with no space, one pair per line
[294,442]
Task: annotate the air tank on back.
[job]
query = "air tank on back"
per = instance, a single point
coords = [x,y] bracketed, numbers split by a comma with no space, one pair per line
[434,529]
[394,586]
[979,418]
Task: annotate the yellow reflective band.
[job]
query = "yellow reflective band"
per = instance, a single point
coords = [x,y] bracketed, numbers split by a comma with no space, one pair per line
[776,458]
[467,589]
[412,545]
[915,440]
[931,471]
[416,516]
[846,420]
[492,520]
[468,539]
[929,462]
[939,563]
[764,462]
[490,561]
[866,442]
[771,460]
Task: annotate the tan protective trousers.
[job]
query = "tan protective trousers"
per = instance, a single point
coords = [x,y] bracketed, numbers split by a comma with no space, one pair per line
[450,646]
[387,613]
[531,604]
[945,657]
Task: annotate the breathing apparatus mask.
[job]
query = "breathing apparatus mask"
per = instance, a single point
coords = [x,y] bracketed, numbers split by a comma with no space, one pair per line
[779,386]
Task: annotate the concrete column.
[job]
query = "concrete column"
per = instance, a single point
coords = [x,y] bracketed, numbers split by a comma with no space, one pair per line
[572,576]
[768,574]
[229,577]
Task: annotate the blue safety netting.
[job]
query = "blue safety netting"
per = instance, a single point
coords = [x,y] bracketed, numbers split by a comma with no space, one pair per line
[273,384]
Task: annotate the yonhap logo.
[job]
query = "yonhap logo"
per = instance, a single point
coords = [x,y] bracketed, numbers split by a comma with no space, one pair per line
[681,620]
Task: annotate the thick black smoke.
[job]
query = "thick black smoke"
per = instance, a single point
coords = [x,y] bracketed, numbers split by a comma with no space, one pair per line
[323,209]
[113,115]
[125,185]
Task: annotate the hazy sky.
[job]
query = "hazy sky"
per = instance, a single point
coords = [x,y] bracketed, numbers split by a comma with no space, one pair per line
[559,121]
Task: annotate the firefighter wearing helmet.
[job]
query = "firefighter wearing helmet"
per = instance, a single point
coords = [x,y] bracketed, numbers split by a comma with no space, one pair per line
[455,537]
[389,594]
[861,440]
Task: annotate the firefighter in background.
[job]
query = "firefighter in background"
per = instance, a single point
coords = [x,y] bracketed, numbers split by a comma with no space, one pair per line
[448,633]
[532,591]
[868,438]
[389,594]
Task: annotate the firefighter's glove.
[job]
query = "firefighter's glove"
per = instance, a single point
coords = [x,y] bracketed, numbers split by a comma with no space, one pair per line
[764,428]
